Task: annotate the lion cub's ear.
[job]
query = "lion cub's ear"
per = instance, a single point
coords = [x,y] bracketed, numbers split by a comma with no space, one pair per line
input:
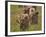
[37,13]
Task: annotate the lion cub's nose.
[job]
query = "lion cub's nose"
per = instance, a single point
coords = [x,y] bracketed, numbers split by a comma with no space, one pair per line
[26,17]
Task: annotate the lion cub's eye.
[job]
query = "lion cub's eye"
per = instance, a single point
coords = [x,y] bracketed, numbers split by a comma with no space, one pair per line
[32,10]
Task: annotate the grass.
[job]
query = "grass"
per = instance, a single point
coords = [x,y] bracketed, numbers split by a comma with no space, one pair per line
[15,26]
